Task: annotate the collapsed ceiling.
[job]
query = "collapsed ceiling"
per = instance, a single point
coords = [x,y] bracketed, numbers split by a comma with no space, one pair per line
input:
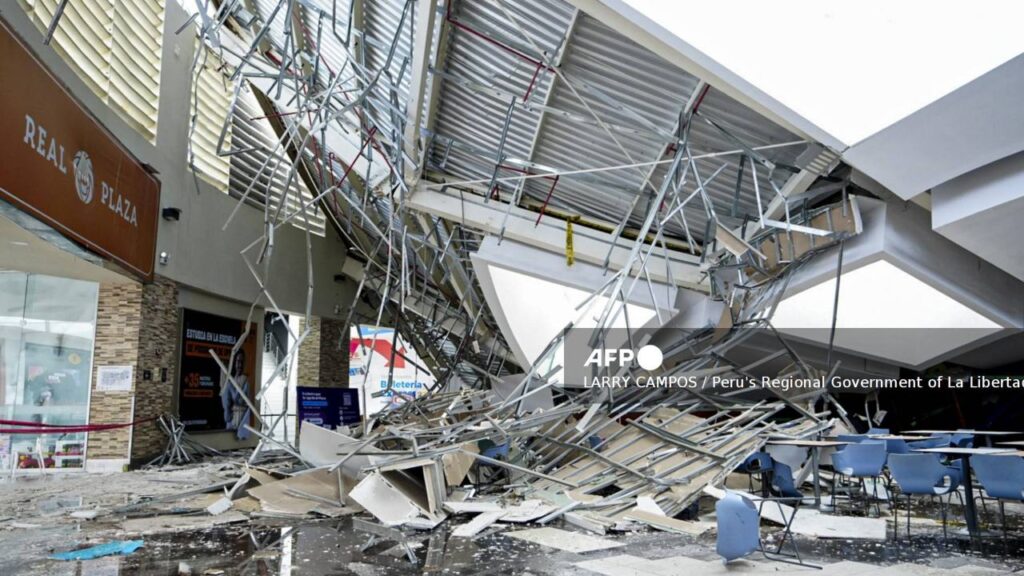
[382,107]
[428,132]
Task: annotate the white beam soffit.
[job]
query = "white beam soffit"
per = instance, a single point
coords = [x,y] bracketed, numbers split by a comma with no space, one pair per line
[890,58]
[590,246]
[534,295]
[906,294]
[982,211]
[972,126]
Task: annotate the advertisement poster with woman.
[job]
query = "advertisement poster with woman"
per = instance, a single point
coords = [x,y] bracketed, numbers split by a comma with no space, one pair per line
[207,400]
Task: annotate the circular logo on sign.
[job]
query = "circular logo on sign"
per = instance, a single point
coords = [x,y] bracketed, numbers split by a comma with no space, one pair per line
[83,176]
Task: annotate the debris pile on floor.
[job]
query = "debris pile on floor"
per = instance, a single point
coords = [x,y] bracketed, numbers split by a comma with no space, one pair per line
[485,465]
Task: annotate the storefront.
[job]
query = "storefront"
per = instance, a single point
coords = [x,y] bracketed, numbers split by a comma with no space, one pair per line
[94,326]
[77,226]
[47,330]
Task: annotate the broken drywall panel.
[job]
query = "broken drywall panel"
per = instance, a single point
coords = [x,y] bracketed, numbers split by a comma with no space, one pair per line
[810,522]
[313,491]
[179,523]
[621,565]
[733,243]
[564,540]
[84,514]
[380,498]
[260,476]
[588,522]
[322,447]
[435,487]
[502,387]
[473,507]
[628,565]
[662,522]
[457,464]
[587,417]
[527,511]
[479,523]
[420,480]
[648,505]
[684,565]
[425,523]
[220,506]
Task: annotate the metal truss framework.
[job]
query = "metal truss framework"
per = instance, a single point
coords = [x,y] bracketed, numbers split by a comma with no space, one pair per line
[325,73]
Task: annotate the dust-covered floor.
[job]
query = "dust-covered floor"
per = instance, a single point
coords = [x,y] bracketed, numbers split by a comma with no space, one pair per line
[329,548]
[43,515]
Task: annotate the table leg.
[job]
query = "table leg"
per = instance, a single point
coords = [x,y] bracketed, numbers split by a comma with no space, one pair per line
[972,518]
[816,472]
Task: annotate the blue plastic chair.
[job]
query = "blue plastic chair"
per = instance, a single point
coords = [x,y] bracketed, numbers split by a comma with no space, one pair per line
[896,446]
[923,475]
[855,438]
[863,460]
[490,449]
[933,442]
[495,451]
[1002,477]
[860,461]
[878,431]
[961,440]
[938,441]
[756,463]
[738,527]
[782,481]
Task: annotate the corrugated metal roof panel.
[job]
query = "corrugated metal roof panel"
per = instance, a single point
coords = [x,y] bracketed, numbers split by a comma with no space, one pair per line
[636,94]
[476,119]
[382,21]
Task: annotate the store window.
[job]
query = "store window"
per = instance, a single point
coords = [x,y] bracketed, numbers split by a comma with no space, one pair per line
[47,328]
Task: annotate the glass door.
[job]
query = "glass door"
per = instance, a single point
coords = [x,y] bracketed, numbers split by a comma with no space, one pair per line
[47,330]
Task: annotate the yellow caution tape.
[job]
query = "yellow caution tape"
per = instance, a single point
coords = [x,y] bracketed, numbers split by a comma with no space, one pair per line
[570,256]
